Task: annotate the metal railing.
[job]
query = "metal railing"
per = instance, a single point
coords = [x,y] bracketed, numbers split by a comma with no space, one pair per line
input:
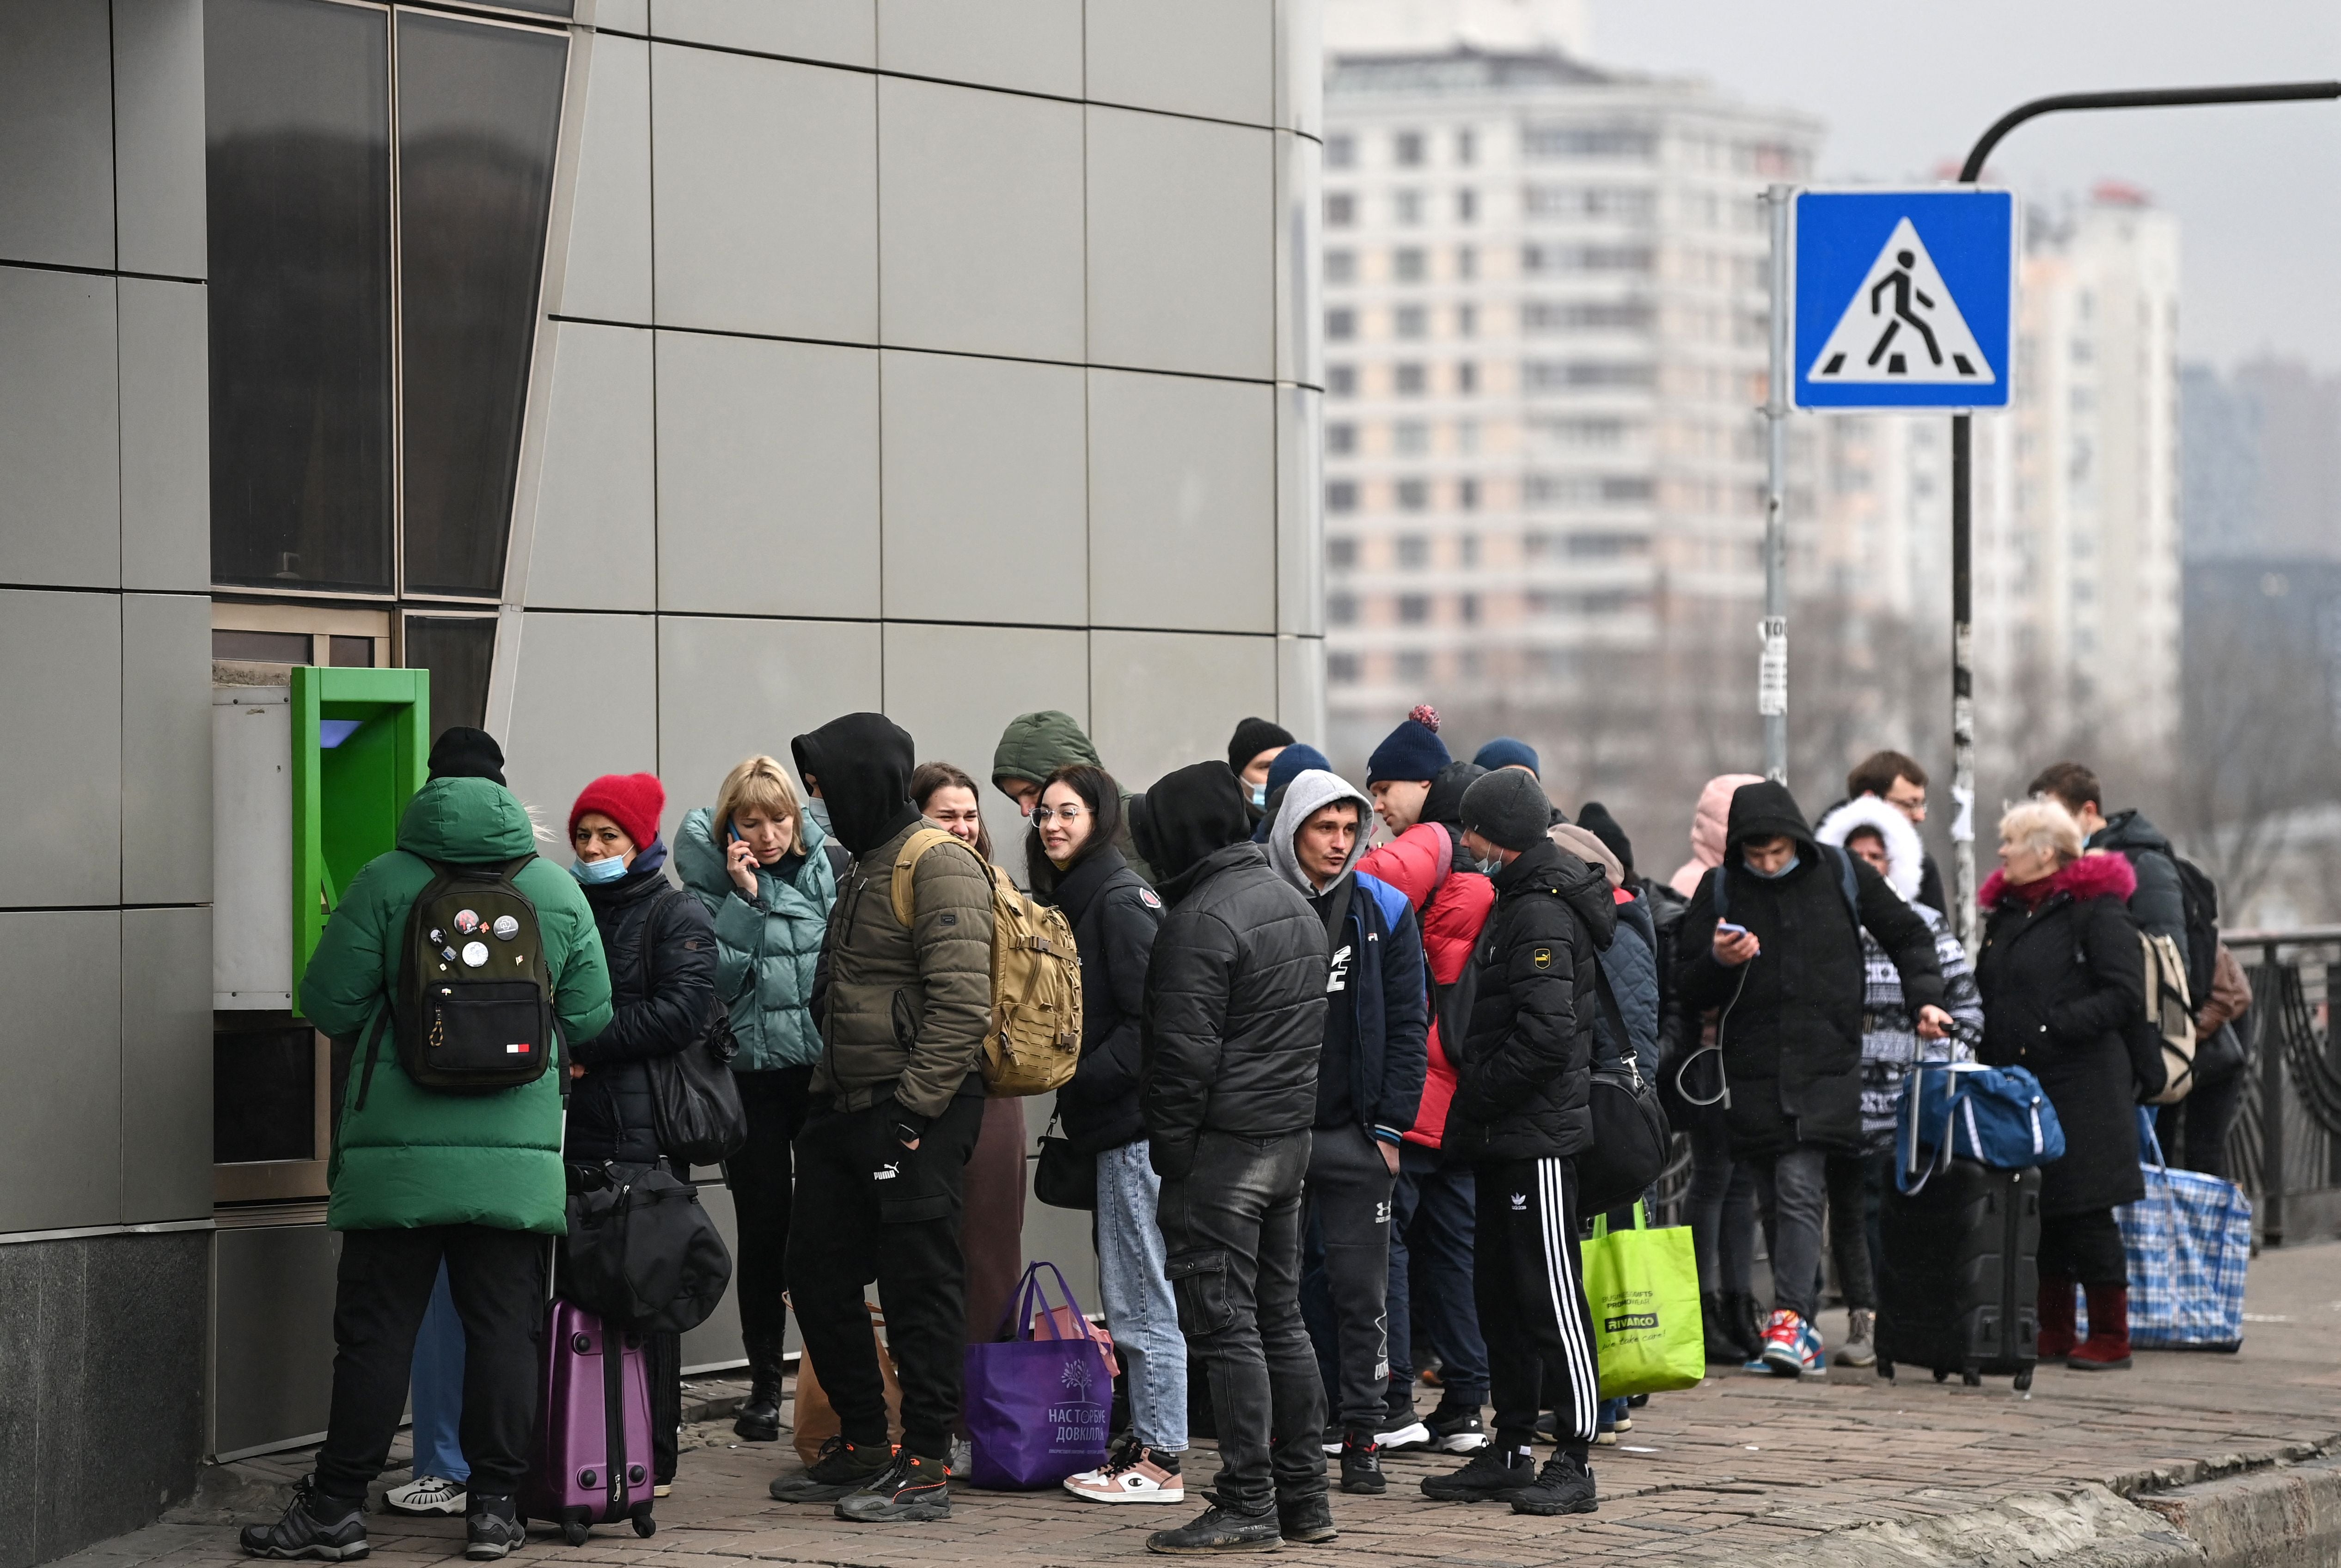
[2285,1149]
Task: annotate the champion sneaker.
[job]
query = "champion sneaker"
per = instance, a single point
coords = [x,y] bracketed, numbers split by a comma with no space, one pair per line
[426,1495]
[912,1490]
[1219,1529]
[1362,1464]
[1860,1348]
[314,1526]
[491,1529]
[1132,1472]
[1456,1430]
[1565,1485]
[1784,1342]
[1493,1475]
[841,1467]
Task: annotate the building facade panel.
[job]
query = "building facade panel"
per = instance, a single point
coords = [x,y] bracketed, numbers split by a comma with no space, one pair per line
[607,274]
[843,32]
[62,1114]
[1023,45]
[1161,699]
[56,100]
[164,357]
[1213,59]
[158,136]
[60,435]
[595,541]
[1183,503]
[61,771]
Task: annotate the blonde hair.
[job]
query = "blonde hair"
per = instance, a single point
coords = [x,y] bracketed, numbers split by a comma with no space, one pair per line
[761,783]
[2043,826]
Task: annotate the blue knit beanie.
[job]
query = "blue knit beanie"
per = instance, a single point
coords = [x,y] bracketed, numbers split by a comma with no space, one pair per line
[1293,761]
[1412,750]
[1504,752]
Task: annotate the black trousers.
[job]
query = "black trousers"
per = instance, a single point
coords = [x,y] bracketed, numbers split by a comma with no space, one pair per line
[2194,1132]
[762,1178]
[1529,1282]
[382,1289]
[870,1209]
[2087,1246]
[1853,1198]
[1232,1239]
[1345,1273]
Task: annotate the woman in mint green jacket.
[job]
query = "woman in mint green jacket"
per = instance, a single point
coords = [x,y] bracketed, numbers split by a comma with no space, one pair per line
[767,874]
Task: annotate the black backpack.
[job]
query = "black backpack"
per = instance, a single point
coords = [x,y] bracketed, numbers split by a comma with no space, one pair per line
[2201,898]
[473,1008]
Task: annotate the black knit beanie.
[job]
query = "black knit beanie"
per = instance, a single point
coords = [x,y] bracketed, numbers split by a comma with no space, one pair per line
[462,752]
[1252,737]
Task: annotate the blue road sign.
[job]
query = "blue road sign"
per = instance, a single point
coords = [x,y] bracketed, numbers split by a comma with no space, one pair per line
[1903,298]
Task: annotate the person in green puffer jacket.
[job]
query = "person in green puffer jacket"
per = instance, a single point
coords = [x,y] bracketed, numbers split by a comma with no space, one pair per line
[768,876]
[1030,750]
[418,1176]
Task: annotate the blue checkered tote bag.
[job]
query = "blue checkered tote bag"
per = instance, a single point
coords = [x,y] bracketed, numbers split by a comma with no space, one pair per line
[2188,1239]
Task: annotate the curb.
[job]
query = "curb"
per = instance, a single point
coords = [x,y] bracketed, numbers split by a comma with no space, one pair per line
[2286,1517]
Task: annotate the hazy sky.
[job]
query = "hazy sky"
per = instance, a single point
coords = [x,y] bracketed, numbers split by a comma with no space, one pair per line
[1907,84]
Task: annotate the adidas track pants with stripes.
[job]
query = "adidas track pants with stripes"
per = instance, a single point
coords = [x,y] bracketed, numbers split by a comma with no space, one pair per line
[1530,1284]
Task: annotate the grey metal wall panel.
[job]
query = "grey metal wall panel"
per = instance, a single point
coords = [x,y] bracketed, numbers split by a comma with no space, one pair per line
[61,771]
[166,451]
[166,750]
[158,135]
[60,431]
[61,1059]
[272,1335]
[57,122]
[167,1064]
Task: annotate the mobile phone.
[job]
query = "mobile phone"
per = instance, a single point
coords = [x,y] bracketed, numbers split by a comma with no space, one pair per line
[734,831]
[1729,929]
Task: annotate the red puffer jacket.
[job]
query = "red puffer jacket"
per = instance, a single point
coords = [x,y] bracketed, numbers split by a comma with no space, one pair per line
[1452,905]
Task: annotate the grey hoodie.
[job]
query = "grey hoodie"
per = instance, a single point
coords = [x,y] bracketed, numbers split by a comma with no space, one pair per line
[1307,794]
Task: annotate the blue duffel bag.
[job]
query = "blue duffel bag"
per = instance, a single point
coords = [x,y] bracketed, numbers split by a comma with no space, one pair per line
[1998,1116]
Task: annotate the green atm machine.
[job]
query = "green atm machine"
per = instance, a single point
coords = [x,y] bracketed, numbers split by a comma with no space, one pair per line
[360,746]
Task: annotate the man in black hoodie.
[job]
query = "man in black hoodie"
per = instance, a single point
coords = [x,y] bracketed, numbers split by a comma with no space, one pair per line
[1233,1012]
[896,1103]
[1773,938]
[1522,1079]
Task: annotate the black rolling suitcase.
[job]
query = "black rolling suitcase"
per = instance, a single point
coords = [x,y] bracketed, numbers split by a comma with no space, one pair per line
[1959,1285]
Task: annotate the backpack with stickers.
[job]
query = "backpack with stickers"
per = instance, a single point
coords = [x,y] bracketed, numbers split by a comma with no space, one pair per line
[472,1010]
[1035,1041]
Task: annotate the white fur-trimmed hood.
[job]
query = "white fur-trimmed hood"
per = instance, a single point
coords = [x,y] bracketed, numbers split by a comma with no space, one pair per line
[1905,851]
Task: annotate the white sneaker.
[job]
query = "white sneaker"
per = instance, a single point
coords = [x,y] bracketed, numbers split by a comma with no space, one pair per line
[427,1495]
[1130,1474]
[1410,1437]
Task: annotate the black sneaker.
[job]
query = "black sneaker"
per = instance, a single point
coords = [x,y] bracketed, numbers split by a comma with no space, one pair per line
[1217,1529]
[911,1490]
[1334,1436]
[838,1468]
[1492,1476]
[491,1528]
[313,1526]
[1362,1464]
[1455,1430]
[1565,1485]
[1308,1520]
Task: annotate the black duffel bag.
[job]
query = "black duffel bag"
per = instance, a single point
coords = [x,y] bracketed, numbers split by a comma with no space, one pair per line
[1630,1136]
[695,1101]
[643,1252]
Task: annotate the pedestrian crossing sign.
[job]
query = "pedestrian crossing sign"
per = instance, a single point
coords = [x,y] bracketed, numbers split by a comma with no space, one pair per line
[1902,299]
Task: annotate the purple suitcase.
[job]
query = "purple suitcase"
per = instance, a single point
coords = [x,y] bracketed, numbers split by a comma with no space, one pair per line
[592,1409]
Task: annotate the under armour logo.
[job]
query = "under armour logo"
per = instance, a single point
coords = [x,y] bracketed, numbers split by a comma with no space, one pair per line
[1382,1213]
[1520,1203]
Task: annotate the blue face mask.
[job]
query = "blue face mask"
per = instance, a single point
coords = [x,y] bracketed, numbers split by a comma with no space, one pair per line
[592,871]
[1770,875]
[818,809]
[1260,797]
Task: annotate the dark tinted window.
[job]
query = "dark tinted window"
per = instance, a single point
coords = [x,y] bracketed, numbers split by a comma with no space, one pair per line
[264,1091]
[264,647]
[457,651]
[350,652]
[479,112]
[298,157]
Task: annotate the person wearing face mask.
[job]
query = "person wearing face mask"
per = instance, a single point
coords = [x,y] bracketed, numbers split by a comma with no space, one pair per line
[1785,970]
[895,1107]
[1071,861]
[1370,1074]
[761,865]
[1251,751]
[994,1235]
[661,948]
[1290,763]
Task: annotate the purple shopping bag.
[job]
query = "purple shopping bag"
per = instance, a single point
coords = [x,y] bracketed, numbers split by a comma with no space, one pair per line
[1037,1406]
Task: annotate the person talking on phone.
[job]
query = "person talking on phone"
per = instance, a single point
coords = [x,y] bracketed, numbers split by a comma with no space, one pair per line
[766,873]
[1772,940]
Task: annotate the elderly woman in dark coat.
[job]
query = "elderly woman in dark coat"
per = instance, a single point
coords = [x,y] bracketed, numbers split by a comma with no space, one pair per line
[2063,975]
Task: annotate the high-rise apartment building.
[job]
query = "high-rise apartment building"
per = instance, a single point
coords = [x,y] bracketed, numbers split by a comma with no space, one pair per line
[1545,292]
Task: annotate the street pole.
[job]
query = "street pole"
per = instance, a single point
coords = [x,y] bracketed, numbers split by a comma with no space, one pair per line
[1963,451]
[1772,665]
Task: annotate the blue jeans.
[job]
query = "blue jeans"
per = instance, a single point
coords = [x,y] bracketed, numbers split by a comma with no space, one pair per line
[1432,1225]
[1138,1306]
[437,1388]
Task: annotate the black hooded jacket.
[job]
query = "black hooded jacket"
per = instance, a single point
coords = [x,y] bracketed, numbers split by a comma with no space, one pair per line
[1791,1028]
[1115,916]
[1444,804]
[1526,1068]
[1234,1003]
[863,763]
[661,949]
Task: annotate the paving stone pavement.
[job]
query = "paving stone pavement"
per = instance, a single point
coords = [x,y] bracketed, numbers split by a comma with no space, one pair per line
[1742,1467]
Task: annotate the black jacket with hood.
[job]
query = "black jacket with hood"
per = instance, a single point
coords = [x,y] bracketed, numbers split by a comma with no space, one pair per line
[2159,906]
[1526,1069]
[1235,988]
[1790,1027]
[1115,916]
[660,947]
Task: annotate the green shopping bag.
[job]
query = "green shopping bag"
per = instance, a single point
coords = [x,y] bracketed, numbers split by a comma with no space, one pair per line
[1642,1286]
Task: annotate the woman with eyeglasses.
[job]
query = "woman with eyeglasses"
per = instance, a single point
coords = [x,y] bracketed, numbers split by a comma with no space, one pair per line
[992,1235]
[1071,861]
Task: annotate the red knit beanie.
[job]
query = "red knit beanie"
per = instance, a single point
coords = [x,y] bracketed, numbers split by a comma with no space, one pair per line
[632,800]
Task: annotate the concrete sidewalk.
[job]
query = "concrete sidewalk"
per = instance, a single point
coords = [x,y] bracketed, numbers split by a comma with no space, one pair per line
[1849,1469]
